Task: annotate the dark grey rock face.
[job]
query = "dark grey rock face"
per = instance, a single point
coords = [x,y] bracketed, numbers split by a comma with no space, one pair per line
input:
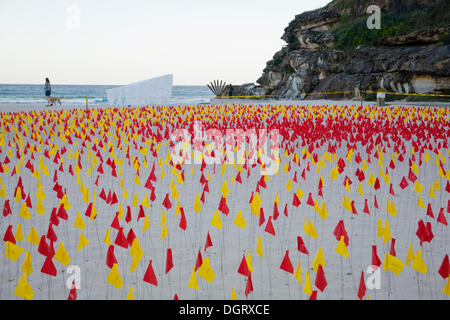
[410,63]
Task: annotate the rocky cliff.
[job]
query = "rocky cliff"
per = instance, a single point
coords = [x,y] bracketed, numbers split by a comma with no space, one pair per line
[332,50]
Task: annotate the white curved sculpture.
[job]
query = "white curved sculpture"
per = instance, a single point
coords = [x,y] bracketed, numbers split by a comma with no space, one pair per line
[141,93]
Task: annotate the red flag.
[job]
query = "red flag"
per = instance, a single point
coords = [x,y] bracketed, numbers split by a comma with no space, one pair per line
[141,212]
[183,223]
[403,183]
[296,201]
[366,207]
[9,236]
[310,200]
[285,210]
[54,217]
[223,206]
[375,260]
[166,203]
[169,262]
[208,241]
[321,281]
[441,218]
[199,260]
[115,224]
[62,213]
[301,245]
[49,267]
[411,176]
[150,276]
[128,216]
[130,237]
[121,240]
[43,247]
[243,267]
[73,292]
[248,286]
[375,204]
[377,184]
[286,264]
[269,227]
[313,295]
[362,287]
[275,211]
[110,257]
[340,231]
[430,211]
[392,251]
[261,217]
[444,270]
[51,235]
[238,177]
[6,208]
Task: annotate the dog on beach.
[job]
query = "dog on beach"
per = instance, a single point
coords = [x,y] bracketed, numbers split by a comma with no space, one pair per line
[53,100]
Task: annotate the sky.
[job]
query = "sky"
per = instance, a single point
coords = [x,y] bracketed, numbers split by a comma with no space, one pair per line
[112,42]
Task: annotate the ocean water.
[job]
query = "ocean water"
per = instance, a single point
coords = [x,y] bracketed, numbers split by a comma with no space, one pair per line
[76,94]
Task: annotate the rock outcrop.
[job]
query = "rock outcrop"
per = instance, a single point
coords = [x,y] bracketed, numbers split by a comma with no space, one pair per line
[415,62]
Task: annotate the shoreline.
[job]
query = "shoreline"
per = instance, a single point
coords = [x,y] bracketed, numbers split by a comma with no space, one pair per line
[17,107]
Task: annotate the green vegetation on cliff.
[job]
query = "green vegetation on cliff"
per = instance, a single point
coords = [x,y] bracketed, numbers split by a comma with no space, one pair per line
[351,31]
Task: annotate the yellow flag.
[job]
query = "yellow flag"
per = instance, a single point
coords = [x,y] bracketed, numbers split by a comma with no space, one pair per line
[145,202]
[33,236]
[135,200]
[164,231]
[79,223]
[248,259]
[360,190]
[130,294]
[309,229]
[114,277]
[19,234]
[40,207]
[193,284]
[255,204]
[163,217]
[197,205]
[23,289]
[393,263]
[216,222]
[61,255]
[239,220]
[107,239]
[24,212]
[259,249]
[224,189]
[277,201]
[334,173]
[13,251]
[446,289]
[146,224]
[83,242]
[418,263]
[289,185]
[27,266]
[323,211]
[341,248]
[298,273]
[307,288]
[233,295]
[318,260]
[386,232]
[410,256]
[420,203]
[205,271]
[418,187]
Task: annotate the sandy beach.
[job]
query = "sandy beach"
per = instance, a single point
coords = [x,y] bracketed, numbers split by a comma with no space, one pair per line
[230,242]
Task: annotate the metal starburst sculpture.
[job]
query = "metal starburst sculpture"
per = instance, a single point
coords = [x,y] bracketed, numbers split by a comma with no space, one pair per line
[218,87]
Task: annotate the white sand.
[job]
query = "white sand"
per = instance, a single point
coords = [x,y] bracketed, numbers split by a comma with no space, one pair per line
[230,243]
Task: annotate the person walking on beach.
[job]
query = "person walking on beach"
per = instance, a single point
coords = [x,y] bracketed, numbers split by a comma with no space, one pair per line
[48,91]
[230,91]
